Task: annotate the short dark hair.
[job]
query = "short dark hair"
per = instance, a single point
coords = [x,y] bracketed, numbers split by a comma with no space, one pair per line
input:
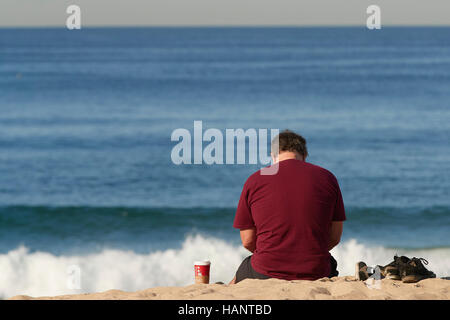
[290,141]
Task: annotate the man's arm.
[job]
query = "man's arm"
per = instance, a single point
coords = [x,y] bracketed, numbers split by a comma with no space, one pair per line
[335,233]
[248,237]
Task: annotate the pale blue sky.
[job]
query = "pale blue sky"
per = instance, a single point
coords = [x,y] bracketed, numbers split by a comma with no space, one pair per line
[223,12]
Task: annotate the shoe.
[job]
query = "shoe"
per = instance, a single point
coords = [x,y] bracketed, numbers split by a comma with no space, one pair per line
[414,271]
[402,260]
[390,271]
[392,275]
[361,273]
[401,263]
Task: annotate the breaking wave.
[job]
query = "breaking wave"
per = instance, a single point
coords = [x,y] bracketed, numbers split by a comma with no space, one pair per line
[43,273]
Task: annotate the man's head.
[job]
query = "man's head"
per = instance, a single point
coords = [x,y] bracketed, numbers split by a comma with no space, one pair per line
[288,145]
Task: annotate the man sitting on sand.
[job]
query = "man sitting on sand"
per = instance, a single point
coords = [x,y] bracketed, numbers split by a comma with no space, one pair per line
[290,220]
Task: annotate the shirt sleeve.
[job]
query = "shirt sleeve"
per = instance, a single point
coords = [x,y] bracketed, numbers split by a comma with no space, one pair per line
[339,210]
[243,219]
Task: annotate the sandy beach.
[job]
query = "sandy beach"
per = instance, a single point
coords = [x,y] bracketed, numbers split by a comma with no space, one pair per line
[338,288]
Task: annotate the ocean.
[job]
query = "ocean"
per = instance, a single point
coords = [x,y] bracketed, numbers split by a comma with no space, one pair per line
[86,118]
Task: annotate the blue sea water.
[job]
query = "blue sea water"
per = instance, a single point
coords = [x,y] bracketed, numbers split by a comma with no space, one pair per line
[86,118]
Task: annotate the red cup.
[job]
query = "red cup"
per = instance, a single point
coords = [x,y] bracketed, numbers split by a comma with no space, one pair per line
[201,269]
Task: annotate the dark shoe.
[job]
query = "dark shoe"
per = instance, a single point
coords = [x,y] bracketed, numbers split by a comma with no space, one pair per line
[401,263]
[390,271]
[392,276]
[414,270]
[361,273]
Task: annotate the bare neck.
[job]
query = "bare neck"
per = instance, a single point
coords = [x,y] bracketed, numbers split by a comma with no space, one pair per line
[287,155]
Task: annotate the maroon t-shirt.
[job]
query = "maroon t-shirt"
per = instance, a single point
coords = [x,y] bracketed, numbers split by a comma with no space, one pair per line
[292,213]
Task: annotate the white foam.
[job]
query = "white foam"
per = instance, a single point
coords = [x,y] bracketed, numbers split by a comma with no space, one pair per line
[350,252]
[41,273]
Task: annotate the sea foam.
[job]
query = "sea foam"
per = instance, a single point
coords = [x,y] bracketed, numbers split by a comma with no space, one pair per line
[42,273]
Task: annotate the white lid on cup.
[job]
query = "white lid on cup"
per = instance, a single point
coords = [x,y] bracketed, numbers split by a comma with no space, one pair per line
[202,263]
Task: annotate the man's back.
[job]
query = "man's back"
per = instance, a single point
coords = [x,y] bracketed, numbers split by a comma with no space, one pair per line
[292,212]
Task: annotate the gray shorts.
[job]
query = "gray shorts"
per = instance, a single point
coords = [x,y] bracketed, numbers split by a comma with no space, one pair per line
[246,271]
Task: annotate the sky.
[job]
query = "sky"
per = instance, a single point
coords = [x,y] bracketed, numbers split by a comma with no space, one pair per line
[18,13]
